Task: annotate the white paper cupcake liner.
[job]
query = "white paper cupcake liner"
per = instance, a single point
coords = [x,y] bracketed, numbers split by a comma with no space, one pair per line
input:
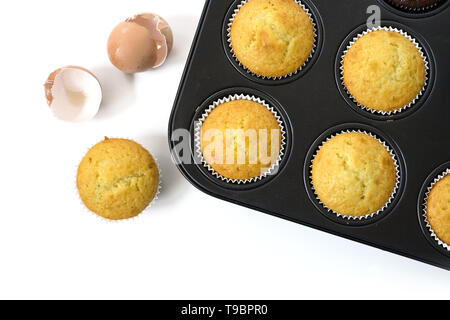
[393,194]
[425,210]
[416,44]
[103,219]
[231,20]
[414,10]
[198,143]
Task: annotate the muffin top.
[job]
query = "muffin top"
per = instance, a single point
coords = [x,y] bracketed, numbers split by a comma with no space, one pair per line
[272,38]
[384,71]
[241,139]
[438,209]
[414,4]
[353,174]
[117,179]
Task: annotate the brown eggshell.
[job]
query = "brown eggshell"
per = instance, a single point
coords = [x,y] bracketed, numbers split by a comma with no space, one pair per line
[49,85]
[51,78]
[130,48]
[140,43]
[73,93]
[163,27]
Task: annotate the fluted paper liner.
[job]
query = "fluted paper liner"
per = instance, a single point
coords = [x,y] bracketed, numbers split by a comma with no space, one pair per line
[198,140]
[308,12]
[414,10]
[393,194]
[416,44]
[425,210]
[155,198]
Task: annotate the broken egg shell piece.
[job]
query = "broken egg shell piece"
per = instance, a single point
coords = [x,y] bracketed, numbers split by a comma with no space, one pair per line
[161,25]
[73,93]
[140,43]
[160,32]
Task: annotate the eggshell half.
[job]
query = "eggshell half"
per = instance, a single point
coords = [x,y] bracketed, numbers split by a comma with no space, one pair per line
[73,93]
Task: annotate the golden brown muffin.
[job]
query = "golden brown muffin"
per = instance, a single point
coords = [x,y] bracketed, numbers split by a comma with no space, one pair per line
[384,71]
[272,38]
[438,209]
[226,155]
[353,174]
[117,179]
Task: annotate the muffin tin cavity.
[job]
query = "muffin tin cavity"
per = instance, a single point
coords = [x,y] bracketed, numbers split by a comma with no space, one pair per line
[314,15]
[399,165]
[234,94]
[409,11]
[438,174]
[408,109]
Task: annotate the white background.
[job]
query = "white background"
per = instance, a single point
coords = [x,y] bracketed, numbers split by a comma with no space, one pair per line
[188,245]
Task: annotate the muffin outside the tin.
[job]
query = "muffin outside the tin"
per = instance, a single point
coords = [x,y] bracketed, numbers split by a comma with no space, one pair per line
[384,71]
[415,5]
[247,117]
[354,174]
[272,38]
[117,179]
[438,209]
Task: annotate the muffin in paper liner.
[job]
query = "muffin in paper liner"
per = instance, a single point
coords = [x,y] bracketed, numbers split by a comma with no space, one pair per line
[230,46]
[411,9]
[99,217]
[198,141]
[393,194]
[422,54]
[425,210]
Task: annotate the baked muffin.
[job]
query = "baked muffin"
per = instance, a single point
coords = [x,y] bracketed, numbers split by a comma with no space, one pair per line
[353,174]
[117,179]
[438,209]
[414,4]
[272,38]
[384,71]
[244,153]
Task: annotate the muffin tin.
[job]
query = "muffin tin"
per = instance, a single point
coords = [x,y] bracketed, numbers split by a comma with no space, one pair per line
[313,105]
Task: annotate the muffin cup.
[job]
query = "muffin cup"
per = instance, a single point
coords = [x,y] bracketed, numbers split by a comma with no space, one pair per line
[248,71]
[198,144]
[433,235]
[422,54]
[155,199]
[393,194]
[414,10]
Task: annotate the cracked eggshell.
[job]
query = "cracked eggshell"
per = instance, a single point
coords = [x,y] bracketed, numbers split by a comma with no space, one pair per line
[140,43]
[73,94]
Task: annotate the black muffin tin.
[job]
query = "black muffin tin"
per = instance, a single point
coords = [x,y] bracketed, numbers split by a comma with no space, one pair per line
[313,105]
